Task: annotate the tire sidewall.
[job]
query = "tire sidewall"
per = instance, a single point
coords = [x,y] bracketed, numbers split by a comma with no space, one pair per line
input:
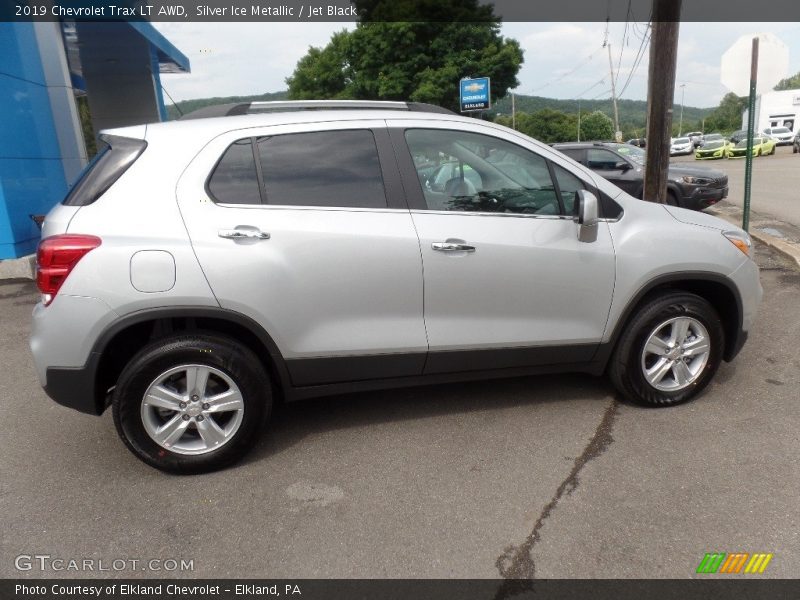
[239,364]
[637,388]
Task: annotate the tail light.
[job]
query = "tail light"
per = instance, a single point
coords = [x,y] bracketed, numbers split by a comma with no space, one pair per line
[56,257]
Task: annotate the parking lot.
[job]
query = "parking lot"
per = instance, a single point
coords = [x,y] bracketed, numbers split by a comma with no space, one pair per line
[541,476]
[775,185]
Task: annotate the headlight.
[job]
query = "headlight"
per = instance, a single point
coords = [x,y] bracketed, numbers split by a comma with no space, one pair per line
[741,240]
[697,180]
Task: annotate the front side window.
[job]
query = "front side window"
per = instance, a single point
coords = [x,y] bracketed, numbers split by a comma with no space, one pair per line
[327,168]
[461,171]
[568,186]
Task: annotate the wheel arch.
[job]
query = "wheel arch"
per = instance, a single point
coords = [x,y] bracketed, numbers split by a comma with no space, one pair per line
[717,289]
[124,338]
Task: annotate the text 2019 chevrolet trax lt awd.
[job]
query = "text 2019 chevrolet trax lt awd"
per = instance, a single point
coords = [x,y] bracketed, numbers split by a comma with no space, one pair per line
[200,269]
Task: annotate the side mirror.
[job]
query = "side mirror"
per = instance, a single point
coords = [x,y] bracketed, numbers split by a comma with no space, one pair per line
[622,166]
[586,215]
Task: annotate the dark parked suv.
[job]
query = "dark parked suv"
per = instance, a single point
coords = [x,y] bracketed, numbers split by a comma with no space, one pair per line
[688,186]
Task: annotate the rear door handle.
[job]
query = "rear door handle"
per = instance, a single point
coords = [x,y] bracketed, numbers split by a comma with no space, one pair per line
[452,247]
[243,234]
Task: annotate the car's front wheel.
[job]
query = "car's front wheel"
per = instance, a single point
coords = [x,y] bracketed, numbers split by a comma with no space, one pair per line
[191,404]
[669,351]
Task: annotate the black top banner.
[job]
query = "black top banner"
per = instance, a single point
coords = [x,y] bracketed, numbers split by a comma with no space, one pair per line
[344,10]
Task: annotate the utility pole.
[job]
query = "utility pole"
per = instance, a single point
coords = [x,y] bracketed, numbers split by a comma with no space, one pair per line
[680,126]
[660,96]
[613,94]
[579,119]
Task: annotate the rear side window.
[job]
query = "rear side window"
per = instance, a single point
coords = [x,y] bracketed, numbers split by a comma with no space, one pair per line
[105,168]
[324,168]
[573,153]
[235,180]
[327,168]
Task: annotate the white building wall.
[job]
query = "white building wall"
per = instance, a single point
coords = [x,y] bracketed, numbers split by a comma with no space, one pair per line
[776,109]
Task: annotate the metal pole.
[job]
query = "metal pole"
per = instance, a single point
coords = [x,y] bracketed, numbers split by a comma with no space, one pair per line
[748,161]
[579,119]
[680,122]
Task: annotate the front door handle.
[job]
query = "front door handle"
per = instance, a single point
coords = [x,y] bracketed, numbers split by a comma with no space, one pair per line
[452,247]
[243,234]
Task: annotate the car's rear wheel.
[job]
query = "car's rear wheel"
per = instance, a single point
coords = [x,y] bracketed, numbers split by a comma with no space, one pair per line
[669,351]
[191,404]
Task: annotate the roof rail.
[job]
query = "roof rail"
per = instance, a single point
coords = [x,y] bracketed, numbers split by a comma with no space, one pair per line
[249,108]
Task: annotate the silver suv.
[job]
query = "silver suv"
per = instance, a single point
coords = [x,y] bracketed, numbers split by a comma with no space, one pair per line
[200,270]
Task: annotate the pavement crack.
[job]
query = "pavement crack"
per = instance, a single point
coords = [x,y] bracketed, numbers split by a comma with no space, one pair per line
[516,563]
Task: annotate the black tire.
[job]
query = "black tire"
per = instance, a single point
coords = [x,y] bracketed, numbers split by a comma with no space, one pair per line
[626,367]
[235,361]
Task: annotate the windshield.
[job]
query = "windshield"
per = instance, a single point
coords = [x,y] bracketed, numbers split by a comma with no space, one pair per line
[780,130]
[743,143]
[714,144]
[635,153]
[681,141]
[713,136]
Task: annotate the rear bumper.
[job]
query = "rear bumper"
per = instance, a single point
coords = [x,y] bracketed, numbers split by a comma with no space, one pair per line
[63,337]
[75,388]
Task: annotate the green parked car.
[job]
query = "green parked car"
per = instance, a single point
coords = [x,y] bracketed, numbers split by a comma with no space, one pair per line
[761,147]
[713,150]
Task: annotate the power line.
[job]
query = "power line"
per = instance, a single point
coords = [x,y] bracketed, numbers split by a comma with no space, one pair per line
[622,45]
[636,62]
[568,73]
[608,91]
[591,87]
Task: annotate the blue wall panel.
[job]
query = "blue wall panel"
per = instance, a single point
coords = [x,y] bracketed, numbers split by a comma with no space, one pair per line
[31,174]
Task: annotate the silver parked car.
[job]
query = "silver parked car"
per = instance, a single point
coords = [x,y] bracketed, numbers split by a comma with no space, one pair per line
[200,270]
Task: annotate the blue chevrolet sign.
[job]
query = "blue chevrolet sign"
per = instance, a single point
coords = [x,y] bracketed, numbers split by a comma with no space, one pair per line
[475,94]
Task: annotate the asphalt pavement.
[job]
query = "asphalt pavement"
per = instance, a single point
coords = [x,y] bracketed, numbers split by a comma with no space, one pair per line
[534,477]
[775,185]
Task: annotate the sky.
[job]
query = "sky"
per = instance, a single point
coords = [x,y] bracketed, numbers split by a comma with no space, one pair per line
[562,60]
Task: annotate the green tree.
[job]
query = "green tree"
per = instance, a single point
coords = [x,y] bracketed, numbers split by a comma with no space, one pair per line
[419,59]
[727,116]
[790,83]
[324,72]
[546,125]
[597,126]
[85,116]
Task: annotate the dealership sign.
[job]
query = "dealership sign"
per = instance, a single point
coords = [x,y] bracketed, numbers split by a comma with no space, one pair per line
[475,94]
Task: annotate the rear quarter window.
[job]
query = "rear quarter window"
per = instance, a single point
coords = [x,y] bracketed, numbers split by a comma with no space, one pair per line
[105,169]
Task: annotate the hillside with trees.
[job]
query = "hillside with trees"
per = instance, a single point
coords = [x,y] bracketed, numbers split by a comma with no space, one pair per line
[632,114]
